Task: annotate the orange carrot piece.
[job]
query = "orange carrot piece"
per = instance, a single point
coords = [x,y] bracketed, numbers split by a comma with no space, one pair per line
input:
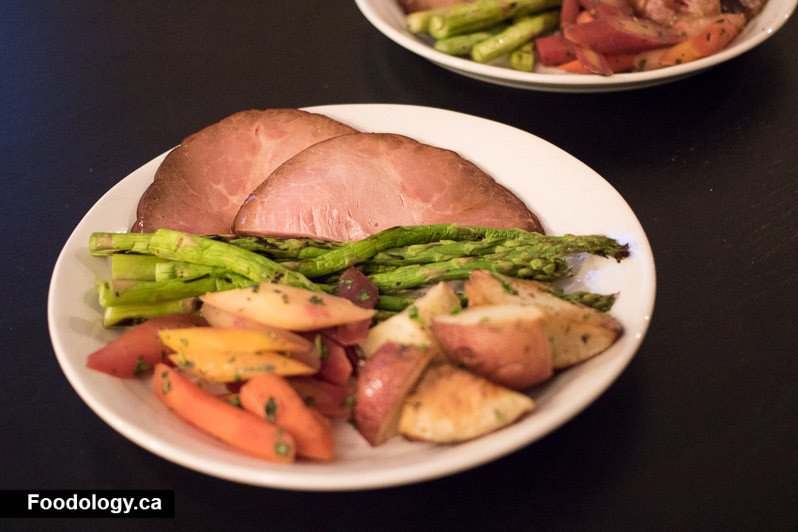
[575,67]
[223,420]
[710,40]
[270,396]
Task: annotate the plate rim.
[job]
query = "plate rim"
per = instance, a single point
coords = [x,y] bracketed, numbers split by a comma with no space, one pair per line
[448,464]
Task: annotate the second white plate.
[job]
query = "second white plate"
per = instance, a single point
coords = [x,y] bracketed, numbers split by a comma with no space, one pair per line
[386,16]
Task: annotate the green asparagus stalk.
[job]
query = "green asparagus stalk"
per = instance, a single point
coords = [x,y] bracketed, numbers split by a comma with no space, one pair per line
[407,277]
[462,44]
[131,266]
[394,303]
[185,270]
[600,302]
[467,18]
[418,22]
[280,248]
[523,58]
[535,244]
[126,292]
[523,30]
[107,243]
[131,314]
[179,246]
[351,253]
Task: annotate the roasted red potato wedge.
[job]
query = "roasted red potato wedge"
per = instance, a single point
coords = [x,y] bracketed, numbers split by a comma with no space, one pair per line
[575,332]
[506,344]
[384,382]
[593,62]
[451,405]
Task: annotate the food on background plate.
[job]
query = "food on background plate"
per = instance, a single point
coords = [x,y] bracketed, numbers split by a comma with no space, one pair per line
[363,324]
[585,36]
[201,184]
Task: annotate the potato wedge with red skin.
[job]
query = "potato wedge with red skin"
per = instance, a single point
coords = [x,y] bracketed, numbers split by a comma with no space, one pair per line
[506,344]
[384,382]
[451,405]
[139,349]
[575,332]
[332,400]
[221,419]
[287,307]
[621,35]
[412,325]
[568,12]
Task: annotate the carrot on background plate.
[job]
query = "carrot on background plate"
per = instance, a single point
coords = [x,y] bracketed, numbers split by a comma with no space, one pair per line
[271,397]
[229,423]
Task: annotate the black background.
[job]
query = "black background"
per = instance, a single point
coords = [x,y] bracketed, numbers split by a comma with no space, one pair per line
[698,433]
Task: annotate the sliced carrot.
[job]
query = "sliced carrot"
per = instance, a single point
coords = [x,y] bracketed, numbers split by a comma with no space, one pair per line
[221,419]
[271,397]
[708,41]
[575,67]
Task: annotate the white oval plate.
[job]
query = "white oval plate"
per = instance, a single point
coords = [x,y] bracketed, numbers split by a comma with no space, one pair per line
[568,197]
[388,18]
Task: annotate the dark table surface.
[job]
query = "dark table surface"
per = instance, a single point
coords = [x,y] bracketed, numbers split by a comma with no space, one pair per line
[699,432]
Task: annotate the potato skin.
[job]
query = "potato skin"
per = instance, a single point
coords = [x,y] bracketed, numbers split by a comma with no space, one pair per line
[575,332]
[505,343]
[382,385]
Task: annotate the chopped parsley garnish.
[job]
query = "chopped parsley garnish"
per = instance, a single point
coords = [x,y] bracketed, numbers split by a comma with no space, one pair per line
[362,296]
[349,401]
[286,299]
[270,409]
[316,300]
[181,361]
[281,449]
[322,349]
[413,314]
[167,385]
[256,289]
[234,400]
[456,310]
[142,366]
[184,341]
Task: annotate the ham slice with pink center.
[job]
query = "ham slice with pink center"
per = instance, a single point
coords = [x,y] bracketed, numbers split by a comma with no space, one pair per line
[203,182]
[353,186]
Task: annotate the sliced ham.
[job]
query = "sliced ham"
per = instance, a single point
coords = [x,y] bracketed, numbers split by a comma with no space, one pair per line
[202,183]
[350,187]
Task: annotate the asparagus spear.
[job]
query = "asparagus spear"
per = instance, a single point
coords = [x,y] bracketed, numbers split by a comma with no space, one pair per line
[130,266]
[466,18]
[517,34]
[126,292]
[523,58]
[351,253]
[535,244]
[407,277]
[280,248]
[184,270]
[462,44]
[108,243]
[418,22]
[132,314]
[600,302]
[179,246]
